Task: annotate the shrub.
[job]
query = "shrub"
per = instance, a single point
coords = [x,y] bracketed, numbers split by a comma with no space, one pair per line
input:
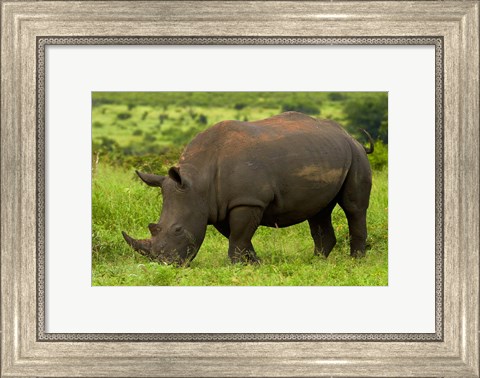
[370,112]
[192,114]
[202,119]
[149,138]
[302,107]
[105,144]
[239,106]
[379,158]
[336,96]
[137,132]
[124,115]
[97,125]
[152,158]
[162,117]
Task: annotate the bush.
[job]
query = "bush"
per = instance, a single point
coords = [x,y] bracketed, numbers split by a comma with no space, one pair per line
[233,100]
[124,115]
[192,114]
[162,117]
[336,96]
[239,106]
[202,119]
[370,112]
[153,158]
[149,138]
[105,144]
[379,158]
[302,107]
[137,132]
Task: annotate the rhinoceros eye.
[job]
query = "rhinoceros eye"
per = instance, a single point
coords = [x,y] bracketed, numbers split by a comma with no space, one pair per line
[177,229]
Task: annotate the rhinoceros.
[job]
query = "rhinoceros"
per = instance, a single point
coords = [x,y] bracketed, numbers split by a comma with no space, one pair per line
[274,172]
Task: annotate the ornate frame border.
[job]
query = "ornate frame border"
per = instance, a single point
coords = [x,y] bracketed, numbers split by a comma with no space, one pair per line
[43,42]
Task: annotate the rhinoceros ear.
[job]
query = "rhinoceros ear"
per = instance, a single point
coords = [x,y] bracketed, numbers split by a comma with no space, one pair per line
[174,174]
[149,179]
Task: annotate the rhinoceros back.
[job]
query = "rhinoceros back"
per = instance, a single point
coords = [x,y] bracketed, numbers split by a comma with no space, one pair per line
[291,165]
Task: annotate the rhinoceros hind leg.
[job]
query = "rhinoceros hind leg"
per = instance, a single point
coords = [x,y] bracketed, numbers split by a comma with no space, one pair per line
[322,231]
[243,222]
[354,199]
[357,224]
[356,213]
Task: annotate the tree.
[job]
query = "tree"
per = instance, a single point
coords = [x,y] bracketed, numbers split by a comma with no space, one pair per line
[370,112]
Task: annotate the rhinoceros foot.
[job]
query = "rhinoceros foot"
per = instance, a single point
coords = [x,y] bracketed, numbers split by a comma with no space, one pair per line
[244,256]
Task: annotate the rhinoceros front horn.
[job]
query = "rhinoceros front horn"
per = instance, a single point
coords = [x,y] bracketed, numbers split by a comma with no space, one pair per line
[142,246]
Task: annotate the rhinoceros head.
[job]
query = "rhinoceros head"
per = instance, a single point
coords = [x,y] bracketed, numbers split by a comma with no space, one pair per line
[181,229]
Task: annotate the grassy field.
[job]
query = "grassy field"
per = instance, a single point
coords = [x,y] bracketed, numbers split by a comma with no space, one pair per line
[147,131]
[121,202]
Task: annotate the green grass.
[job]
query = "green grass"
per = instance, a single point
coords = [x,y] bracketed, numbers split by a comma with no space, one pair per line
[121,202]
[137,122]
[146,120]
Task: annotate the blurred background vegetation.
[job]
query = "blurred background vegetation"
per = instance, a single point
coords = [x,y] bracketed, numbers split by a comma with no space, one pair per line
[148,130]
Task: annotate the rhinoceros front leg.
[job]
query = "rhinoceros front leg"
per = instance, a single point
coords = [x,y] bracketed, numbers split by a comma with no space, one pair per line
[243,222]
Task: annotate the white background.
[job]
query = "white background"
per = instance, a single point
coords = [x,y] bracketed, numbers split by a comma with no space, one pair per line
[405,305]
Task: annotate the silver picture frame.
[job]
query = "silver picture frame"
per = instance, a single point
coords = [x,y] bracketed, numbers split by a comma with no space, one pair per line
[28,27]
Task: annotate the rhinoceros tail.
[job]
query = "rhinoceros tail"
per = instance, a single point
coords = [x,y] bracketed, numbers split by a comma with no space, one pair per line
[370,140]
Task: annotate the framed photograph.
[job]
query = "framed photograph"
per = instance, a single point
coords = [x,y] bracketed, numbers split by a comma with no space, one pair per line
[284,240]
